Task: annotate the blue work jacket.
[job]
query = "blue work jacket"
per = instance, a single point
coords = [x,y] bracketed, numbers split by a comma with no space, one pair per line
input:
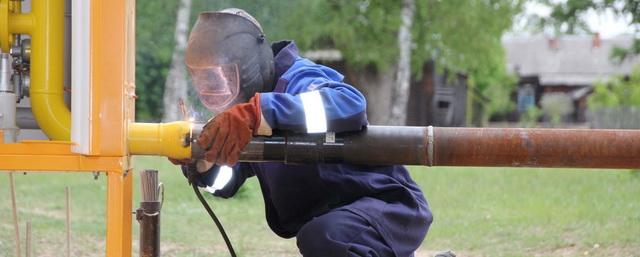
[386,196]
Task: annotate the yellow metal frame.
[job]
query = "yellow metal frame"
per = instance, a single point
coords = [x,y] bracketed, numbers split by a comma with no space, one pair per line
[111,111]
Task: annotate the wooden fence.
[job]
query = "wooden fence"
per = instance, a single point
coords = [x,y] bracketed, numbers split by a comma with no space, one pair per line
[615,118]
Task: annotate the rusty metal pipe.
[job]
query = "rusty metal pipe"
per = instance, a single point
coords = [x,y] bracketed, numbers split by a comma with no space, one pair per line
[515,147]
[429,146]
[148,215]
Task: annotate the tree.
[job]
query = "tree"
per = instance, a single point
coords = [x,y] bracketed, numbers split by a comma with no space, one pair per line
[465,36]
[403,70]
[615,103]
[154,47]
[618,91]
[458,35]
[175,89]
[461,36]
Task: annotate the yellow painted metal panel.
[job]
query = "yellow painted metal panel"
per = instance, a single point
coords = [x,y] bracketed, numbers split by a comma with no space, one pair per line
[108,45]
[130,61]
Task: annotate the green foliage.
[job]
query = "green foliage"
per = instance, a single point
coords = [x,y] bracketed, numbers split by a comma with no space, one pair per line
[530,117]
[364,31]
[496,85]
[155,26]
[461,35]
[618,91]
[619,54]
[564,17]
[465,36]
[273,15]
[556,106]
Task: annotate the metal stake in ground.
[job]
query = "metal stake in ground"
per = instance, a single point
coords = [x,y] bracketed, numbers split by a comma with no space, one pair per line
[15,213]
[28,239]
[68,216]
[148,215]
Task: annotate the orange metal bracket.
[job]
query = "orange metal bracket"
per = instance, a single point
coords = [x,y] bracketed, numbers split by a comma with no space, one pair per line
[55,156]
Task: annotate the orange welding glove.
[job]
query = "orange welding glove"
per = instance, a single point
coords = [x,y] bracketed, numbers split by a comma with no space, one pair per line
[180,161]
[224,136]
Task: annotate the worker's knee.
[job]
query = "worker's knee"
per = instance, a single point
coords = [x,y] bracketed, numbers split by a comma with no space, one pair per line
[340,234]
[316,238]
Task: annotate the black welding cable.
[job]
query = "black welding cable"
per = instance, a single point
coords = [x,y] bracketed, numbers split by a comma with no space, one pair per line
[215,219]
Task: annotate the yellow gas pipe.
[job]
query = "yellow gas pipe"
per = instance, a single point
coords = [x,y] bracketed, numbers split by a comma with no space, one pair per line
[165,139]
[45,24]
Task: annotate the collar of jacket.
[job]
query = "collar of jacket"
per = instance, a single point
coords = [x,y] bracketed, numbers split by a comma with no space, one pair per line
[286,53]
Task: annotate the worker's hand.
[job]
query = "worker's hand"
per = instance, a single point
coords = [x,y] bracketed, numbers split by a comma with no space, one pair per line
[224,136]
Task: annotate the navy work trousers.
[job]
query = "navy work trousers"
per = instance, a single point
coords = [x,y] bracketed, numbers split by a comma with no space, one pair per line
[341,233]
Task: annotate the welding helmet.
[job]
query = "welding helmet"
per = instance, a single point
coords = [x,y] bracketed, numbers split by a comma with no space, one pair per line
[229,58]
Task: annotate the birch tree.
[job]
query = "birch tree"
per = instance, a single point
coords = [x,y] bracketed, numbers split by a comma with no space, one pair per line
[176,84]
[403,71]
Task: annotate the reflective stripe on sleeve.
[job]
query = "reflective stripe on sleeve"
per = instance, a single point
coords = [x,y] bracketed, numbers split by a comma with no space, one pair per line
[315,117]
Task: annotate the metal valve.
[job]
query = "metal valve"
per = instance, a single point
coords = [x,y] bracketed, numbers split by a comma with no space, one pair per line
[21,53]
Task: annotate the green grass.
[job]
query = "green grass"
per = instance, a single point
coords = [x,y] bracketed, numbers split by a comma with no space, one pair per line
[533,212]
[478,212]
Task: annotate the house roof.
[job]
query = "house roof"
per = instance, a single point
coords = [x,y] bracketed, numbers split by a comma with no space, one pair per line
[573,60]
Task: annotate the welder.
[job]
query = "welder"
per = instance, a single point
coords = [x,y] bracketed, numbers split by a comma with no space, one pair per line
[254,88]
